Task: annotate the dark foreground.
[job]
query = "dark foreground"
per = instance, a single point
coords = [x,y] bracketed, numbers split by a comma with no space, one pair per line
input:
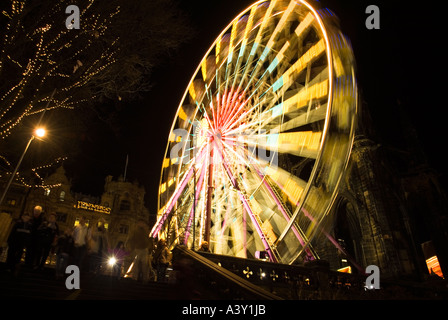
[31,284]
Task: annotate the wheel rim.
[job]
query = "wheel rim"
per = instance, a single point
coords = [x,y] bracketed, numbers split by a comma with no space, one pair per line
[262,136]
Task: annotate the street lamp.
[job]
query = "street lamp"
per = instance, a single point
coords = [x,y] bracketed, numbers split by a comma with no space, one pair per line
[38,133]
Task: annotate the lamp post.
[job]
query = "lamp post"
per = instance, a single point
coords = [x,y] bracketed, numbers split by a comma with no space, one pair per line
[38,133]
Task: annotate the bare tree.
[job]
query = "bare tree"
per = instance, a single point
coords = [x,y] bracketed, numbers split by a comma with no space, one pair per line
[110,57]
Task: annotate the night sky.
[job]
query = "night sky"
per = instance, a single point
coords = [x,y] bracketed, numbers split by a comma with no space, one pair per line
[399,68]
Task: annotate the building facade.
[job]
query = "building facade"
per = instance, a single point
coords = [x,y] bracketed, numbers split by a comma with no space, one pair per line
[391,210]
[119,207]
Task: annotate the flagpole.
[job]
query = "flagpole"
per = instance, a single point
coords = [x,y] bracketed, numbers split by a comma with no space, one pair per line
[126,167]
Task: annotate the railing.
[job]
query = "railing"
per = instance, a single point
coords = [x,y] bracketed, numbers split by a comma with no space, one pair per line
[238,278]
[222,283]
[314,281]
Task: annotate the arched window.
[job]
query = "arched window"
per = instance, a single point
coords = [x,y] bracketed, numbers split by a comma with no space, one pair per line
[62,196]
[347,230]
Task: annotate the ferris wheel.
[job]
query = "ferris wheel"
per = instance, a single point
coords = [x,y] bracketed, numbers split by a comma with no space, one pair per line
[262,136]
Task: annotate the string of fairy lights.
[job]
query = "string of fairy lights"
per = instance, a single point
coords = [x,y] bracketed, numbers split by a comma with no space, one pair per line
[41,184]
[54,56]
[59,57]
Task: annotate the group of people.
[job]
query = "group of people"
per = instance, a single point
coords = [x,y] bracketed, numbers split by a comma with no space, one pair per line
[86,247]
[84,242]
[34,234]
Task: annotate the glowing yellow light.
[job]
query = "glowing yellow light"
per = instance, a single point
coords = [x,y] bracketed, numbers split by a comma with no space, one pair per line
[301,99]
[111,262]
[182,114]
[130,268]
[163,187]
[347,269]
[268,231]
[304,24]
[293,190]
[218,49]
[434,266]
[93,207]
[255,206]
[40,132]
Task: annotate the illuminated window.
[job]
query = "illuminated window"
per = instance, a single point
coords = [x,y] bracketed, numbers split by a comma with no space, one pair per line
[434,266]
[62,196]
[47,192]
[77,222]
[12,202]
[432,262]
[347,269]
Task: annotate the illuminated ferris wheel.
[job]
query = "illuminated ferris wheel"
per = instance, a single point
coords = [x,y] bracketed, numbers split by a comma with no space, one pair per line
[262,136]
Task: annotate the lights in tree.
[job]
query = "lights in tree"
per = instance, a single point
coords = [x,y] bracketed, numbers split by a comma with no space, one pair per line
[57,57]
[35,173]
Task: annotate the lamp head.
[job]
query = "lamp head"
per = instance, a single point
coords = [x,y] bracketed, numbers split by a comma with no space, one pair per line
[40,132]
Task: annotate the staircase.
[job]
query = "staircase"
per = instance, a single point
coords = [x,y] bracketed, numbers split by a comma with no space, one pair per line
[29,284]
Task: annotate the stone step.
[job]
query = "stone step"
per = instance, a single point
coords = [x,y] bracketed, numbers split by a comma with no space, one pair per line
[41,284]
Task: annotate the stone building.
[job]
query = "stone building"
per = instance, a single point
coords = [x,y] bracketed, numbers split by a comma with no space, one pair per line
[390,211]
[120,206]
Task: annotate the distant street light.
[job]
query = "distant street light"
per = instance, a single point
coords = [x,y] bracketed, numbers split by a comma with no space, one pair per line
[38,133]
